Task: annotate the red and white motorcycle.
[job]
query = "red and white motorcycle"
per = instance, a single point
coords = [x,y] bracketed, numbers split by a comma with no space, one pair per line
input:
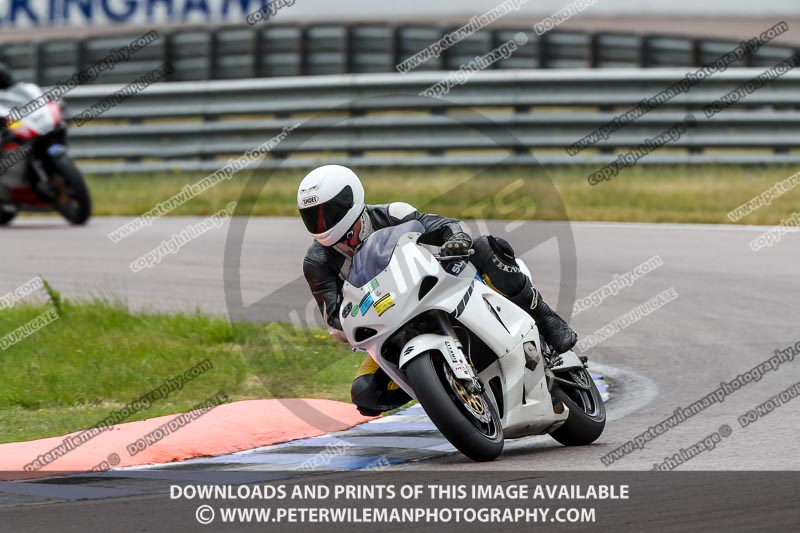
[35,172]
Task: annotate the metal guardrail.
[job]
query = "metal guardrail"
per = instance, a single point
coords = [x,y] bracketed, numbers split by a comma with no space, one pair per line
[514,117]
[275,50]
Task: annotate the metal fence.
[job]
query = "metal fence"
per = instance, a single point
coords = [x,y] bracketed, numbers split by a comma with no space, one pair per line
[283,50]
[513,117]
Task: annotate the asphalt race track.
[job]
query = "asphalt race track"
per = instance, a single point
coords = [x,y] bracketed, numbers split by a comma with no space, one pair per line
[734,309]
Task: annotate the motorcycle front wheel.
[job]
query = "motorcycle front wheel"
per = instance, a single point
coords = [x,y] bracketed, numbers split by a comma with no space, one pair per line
[468,420]
[72,200]
[7,215]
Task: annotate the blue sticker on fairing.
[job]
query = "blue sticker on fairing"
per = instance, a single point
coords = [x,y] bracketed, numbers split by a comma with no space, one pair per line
[365,303]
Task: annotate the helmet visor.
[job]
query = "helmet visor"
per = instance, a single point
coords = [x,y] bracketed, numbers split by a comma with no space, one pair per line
[322,217]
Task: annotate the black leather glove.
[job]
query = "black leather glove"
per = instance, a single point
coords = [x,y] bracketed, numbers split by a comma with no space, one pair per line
[458,244]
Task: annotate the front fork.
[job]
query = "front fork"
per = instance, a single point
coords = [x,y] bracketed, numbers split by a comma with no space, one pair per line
[473,384]
[41,173]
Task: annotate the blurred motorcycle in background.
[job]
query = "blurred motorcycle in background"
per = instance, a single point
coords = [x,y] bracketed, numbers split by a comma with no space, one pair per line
[35,172]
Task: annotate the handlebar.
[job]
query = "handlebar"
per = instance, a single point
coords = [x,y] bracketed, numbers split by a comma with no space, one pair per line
[454,257]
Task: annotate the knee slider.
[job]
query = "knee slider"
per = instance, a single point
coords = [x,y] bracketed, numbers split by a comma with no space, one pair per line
[491,250]
[362,391]
[494,259]
[503,249]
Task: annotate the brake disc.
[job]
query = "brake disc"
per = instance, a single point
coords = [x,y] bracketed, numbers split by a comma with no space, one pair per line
[474,403]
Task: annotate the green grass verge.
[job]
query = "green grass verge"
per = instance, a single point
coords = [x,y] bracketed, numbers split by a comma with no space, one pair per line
[98,356]
[699,194]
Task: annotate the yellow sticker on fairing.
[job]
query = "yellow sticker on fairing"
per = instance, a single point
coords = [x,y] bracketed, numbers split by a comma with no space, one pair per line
[382,305]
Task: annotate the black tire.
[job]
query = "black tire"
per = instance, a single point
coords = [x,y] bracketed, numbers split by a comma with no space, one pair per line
[427,374]
[581,427]
[6,216]
[79,208]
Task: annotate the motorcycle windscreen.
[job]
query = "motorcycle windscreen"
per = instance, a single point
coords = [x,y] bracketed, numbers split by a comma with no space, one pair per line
[374,254]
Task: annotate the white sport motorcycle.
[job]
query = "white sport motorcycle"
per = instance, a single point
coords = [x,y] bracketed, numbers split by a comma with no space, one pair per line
[472,358]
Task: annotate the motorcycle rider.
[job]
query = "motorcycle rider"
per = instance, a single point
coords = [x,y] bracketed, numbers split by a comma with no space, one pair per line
[331,204]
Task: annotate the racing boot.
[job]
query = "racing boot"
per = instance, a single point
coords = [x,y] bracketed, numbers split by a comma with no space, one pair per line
[494,258]
[373,392]
[553,328]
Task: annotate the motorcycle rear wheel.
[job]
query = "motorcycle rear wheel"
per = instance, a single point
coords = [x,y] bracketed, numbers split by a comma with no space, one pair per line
[78,207]
[587,412]
[469,421]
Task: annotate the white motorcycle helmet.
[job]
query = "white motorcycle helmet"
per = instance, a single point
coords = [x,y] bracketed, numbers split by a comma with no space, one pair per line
[330,200]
